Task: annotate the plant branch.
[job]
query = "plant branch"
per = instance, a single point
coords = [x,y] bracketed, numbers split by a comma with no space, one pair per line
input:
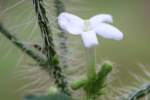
[140,93]
[37,56]
[94,87]
[59,5]
[53,62]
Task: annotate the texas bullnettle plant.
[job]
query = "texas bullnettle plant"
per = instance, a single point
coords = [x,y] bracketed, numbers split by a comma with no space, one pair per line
[89,29]
[95,80]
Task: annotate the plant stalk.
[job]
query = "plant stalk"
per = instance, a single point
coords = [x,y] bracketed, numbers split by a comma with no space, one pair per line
[91,70]
[37,56]
[91,61]
[53,62]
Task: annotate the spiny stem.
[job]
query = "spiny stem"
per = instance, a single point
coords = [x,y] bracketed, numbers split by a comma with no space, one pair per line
[140,93]
[37,56]
[51,54]
[59,5]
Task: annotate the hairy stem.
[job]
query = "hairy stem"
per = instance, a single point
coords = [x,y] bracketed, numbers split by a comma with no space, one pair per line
[51,54]
[140,93]
[37,56]
[59,6]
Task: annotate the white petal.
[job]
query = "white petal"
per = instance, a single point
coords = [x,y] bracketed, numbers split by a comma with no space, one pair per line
[89,39]
[70,23]
[101,18]
[108,31]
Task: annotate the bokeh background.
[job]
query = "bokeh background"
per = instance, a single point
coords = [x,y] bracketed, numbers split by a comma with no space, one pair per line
[130,16]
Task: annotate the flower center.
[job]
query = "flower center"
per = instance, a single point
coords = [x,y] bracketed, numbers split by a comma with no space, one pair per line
[86,26]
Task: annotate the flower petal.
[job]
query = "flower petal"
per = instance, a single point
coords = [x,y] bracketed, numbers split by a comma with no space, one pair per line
[101,18]
[70,23]
[108,31]
[89,39]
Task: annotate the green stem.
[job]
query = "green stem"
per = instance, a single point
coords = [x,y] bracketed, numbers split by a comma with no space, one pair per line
[90,97]
[91,61]
[78,84]
[91,71]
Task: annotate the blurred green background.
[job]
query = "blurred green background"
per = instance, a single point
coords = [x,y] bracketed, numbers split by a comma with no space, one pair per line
[130,16]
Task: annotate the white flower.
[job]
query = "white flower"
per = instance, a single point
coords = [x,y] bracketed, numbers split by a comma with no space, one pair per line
[88,29]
